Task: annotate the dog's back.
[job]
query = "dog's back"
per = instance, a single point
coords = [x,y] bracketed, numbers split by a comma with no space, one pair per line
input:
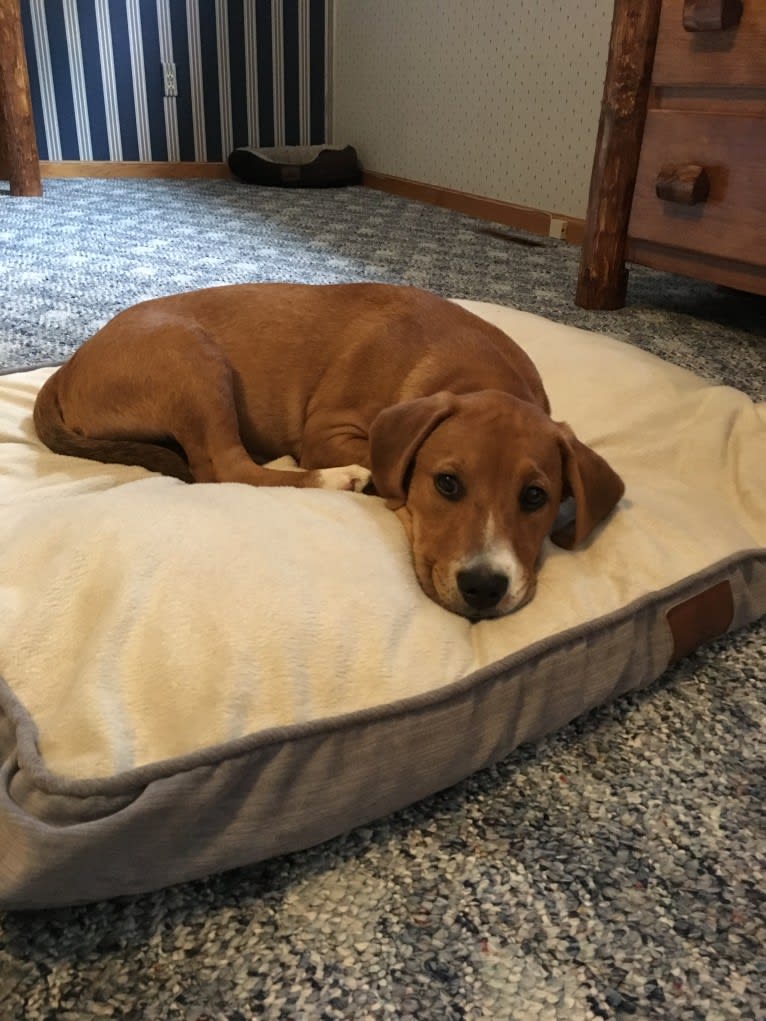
[289,350]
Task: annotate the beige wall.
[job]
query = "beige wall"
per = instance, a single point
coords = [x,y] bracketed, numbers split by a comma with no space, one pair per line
[498,98]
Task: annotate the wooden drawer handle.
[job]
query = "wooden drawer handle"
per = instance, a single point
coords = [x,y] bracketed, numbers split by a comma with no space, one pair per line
[685,184]
[711,15]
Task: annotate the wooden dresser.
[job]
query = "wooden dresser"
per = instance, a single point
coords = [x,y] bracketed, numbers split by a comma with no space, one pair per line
[679,175]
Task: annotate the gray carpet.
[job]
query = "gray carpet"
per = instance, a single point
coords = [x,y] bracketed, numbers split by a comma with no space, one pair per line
[616,870]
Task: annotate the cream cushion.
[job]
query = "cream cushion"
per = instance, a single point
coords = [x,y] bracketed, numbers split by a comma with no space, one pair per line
[160,641]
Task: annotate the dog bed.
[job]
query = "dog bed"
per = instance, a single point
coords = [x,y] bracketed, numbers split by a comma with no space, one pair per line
[297,166]
[200,677]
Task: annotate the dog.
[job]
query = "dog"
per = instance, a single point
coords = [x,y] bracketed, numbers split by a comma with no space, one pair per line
[376,387]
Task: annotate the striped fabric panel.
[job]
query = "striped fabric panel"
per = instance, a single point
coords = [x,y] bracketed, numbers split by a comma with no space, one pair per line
[251,74]
[212,101]
[304,66]
[153,79]
[77,76]
[248,72]
[184,108]
[109,80]
[117,12]
[266,72]
[35,85]
[60,69]
[195,74]
[97,87]
[278,65]
[170,106]
[321,71]
[290,71]
[224,74]
[316,61]
[238,73]
[39,60]
[139,79]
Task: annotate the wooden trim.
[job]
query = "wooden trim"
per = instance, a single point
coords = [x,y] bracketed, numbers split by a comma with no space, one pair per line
[107,168]
[741,276]
[603,278]
[749,102]
[537,221]
[18,148]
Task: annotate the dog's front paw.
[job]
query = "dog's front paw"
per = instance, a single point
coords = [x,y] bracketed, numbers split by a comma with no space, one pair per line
[350,477]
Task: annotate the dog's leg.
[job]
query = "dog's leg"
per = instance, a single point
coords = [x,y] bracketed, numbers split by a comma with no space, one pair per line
[174,382]
[216,454]
[336,445]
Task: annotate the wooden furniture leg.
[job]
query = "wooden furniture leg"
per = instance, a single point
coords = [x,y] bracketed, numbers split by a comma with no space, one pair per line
[18,146]
[603,276]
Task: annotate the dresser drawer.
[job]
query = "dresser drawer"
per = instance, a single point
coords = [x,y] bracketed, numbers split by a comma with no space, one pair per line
[733,57]
[731,222]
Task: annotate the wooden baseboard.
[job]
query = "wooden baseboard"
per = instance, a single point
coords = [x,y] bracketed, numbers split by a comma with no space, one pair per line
[536,221]
[106,168]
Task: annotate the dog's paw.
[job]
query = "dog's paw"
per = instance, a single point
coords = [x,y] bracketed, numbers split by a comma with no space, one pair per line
[350,477]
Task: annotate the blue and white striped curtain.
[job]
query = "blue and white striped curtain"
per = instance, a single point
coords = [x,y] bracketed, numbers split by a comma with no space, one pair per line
[249,72]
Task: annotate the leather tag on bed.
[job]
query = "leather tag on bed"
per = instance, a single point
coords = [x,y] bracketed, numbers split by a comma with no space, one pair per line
[700,619]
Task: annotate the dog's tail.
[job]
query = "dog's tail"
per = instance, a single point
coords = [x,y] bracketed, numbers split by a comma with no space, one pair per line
[53,431]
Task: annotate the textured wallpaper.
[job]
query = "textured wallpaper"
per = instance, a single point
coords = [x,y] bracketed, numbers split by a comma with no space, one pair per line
[246,72]
[498,98]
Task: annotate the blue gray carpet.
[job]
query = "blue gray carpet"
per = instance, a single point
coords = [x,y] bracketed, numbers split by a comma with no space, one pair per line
[616,870]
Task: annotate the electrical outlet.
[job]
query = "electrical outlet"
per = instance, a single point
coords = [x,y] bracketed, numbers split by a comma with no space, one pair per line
[169,77]
[557,228]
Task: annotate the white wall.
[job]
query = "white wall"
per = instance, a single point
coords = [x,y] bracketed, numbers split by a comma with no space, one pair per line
[498,98]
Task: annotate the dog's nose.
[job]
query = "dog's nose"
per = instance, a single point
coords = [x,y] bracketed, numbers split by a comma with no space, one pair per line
[481,587]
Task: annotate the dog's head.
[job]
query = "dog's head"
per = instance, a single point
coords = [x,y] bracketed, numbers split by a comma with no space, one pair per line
[477,481]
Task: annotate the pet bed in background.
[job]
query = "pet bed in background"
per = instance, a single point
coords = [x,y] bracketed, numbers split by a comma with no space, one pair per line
[199,677]
[297,166]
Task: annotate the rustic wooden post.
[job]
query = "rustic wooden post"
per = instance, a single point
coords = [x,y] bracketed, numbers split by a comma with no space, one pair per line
[603,276]
[17,133]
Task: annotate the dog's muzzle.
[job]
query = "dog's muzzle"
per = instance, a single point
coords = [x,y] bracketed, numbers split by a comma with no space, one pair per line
[481,587]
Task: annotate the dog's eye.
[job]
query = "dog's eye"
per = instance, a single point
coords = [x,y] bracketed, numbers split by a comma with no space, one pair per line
[533,498]
[449,486]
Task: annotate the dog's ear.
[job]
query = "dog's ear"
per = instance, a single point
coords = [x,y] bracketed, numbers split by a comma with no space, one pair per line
[395,437]
[596,488]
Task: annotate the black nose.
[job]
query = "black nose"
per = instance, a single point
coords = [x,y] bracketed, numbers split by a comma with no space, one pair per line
[481,587]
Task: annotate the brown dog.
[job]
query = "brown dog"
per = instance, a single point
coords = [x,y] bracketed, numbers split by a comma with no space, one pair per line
[445,415]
